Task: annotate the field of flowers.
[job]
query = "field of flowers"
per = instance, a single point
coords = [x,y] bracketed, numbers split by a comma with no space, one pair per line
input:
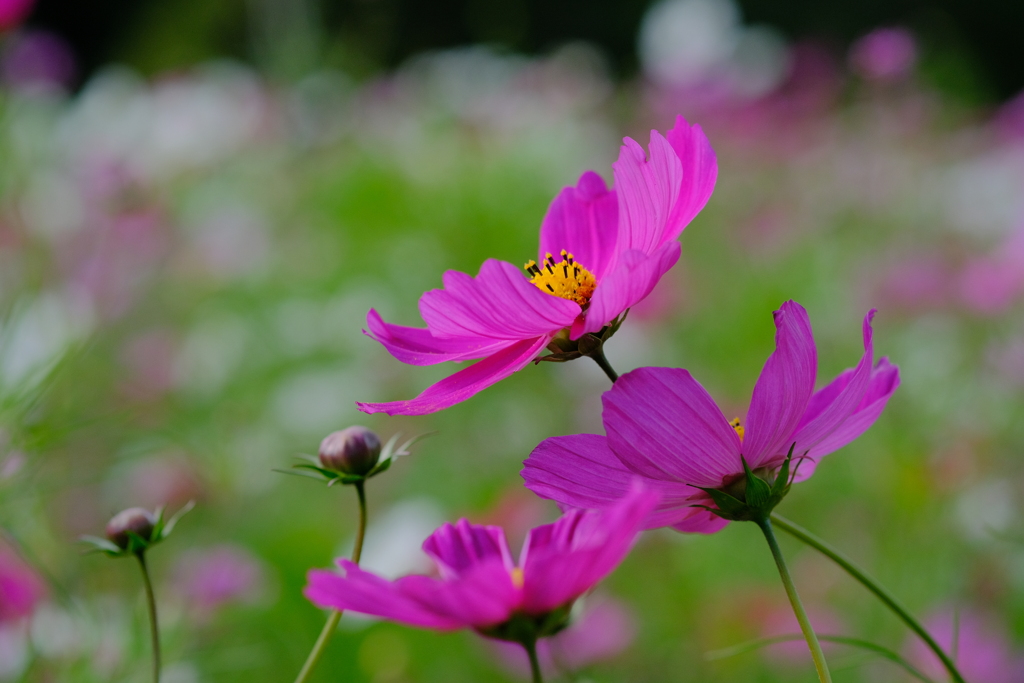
[186,266]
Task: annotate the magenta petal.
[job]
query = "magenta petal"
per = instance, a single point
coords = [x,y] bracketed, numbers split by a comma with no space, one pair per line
[465,383]
[885,379]
[634,276]
[701,522]
[662,424]
[831,405]
[417,346]
[561,561]
[648,190]
[458,547]
[580,471]
[499,303]
[784,388]
[583,220]
[700,172]
[482,596]
[367,593]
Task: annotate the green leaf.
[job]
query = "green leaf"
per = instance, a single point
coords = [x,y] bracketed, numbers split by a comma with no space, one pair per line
[100,545]
[781,485]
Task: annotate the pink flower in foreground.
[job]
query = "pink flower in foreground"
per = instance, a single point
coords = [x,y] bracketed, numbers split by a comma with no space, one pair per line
[662,425]
[21,588]
[983,652]
[480,586]
[601,252]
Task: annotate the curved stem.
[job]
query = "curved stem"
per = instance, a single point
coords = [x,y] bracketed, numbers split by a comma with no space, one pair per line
[151,605]
[600,359]
[335,615]
[798,609]
[881,651]
[531,651]
[872,585]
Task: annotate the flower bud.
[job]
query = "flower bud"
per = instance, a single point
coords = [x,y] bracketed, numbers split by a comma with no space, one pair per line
[135,520]
[352,451]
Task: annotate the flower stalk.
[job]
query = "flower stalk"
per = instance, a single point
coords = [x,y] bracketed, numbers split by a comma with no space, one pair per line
[531,652]
[820,664]
[335,615]
[154,629]
[887,598]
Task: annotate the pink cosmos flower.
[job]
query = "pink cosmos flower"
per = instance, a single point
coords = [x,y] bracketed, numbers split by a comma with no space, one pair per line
[612,247]
[21,588]
[211,578]
[480,586]
[662,425]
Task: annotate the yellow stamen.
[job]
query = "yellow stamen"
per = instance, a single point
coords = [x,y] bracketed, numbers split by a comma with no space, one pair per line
[566,279]
[517,577]
[735,423]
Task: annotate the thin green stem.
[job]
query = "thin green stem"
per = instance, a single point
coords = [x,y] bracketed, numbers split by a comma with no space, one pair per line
[872,585]
[879,650]
[798,608]
[154,629]
[600,359]
[531,651]
[335,615]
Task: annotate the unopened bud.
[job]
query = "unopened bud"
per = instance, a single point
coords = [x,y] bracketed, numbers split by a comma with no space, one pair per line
[133,520]
[352,451]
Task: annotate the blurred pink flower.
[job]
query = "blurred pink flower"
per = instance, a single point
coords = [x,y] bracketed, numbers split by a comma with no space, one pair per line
[1008,121]
[13,12]
[990,284]
[21,588]
[210,578]
[163,480]
[984,654]
[885,54]
[605,628]
[38,58]
[915,283]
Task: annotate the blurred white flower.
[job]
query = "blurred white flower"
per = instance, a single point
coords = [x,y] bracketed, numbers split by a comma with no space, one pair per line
[691,43]
[986,508]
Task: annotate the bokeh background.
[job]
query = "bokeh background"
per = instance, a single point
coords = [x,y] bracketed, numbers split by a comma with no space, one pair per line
[199,201]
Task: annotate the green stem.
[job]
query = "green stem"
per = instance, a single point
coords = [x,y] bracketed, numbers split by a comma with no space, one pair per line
[798,609]
[600,359]
[872,585]
[879,650]
[335,616]
[151,605]
[531,651]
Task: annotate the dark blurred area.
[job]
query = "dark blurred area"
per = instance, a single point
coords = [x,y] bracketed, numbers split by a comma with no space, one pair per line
[971,46]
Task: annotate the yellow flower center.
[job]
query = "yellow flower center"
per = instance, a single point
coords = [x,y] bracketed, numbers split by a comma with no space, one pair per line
[566,279]
[517,577]
[735,423]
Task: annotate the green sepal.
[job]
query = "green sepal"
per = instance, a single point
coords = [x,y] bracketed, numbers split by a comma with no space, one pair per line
[99,545]
[563,349]
[728,507]
[758,494]
[524,628]
[781,486]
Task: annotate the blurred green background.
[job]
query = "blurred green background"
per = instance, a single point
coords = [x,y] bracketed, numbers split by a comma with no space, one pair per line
[199,201]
